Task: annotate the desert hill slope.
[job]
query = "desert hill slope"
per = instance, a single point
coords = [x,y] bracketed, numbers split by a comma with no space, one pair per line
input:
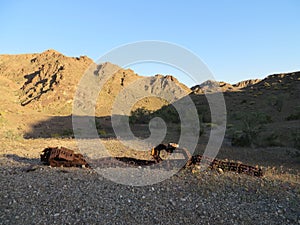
[221,86]
[259,112]
[270,108]
[40,86]
[47,81]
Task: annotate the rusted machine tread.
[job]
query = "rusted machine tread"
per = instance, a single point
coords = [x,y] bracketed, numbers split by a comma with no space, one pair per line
[57,157]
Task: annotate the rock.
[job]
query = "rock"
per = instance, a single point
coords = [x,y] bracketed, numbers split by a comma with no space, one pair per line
[220,171]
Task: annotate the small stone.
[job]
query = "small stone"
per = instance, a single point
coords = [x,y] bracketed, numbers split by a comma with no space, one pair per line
[220,171]
[195,170]
[173,203]
[56,214]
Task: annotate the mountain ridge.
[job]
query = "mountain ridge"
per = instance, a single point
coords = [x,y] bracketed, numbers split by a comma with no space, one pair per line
[47,81]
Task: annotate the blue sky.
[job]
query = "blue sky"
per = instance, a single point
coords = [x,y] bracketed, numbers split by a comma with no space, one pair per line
[237,39]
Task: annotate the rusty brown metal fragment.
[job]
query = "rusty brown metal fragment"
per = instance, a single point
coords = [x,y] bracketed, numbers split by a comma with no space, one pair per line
[57,157]
[212,163]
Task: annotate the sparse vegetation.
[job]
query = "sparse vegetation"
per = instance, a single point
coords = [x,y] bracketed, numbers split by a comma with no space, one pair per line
[12,135]
[276,102]
[296,139]
[251,126]
[102,132]
[293,116]
[143,115]
[272,140]
[140,115]
[267,85]
[254,119]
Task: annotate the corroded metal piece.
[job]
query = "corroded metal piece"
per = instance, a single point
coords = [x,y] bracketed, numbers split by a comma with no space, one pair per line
[212,163]
[57,157]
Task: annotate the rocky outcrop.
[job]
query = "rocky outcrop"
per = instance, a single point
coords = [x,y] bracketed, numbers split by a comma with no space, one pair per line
[246,83]
[211,86]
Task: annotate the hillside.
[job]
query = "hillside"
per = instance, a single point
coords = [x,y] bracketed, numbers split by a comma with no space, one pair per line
[41,86]
[47,81]
[270,108]
[211,86]
[38,91]
[260,113]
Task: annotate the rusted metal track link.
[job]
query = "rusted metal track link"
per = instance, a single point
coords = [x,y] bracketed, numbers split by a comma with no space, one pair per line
[57,157]
[227,165]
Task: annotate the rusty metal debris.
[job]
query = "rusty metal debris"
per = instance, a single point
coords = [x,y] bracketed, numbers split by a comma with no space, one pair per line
[212,163]
[227,165]
[57,157]
[169,148]
[155,152]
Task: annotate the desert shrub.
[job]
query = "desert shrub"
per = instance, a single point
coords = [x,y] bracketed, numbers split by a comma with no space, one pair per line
[11,135]
[293,116]
[2,119]
[140,115]
[168,114]
[102,132]
[211,125]
[204,114]
[55,135]
[240,138]
[296,139]
[236,115]
[143,115]
[67,133]
[252,125]
[276,102]
[272,140]
[98,125]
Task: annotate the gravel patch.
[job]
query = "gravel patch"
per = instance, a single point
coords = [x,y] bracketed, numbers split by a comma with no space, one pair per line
[35,194]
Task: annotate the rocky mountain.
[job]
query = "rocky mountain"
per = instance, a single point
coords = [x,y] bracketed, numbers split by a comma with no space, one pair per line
[211,86]
[47,82]
[246,83]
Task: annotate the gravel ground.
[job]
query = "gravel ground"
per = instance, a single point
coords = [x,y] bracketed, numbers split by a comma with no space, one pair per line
[81,196]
